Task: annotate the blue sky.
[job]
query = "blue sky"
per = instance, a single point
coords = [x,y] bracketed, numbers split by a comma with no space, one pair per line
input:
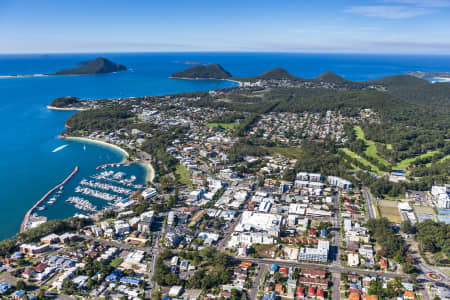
[337,26]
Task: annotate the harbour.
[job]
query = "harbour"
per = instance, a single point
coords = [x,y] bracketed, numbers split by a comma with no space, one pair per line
[24,225]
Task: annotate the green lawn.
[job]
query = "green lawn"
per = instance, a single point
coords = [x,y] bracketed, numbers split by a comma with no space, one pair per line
[289,152]
[444,158]
[352,154]
[116,262]
[371,149]
[185,177]
[406,162]
[223,125]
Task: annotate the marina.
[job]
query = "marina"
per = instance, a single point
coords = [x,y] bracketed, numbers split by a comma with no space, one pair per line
[82,204]
[24,225]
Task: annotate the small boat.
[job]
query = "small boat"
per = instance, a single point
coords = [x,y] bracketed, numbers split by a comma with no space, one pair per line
[60,148]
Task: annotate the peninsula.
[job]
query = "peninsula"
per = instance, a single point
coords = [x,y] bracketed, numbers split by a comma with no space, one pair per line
[299,161]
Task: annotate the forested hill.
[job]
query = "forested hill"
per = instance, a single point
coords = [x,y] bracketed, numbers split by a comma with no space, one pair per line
[63,102]
[100,65]
[331,77]
[277,74]
[213,71]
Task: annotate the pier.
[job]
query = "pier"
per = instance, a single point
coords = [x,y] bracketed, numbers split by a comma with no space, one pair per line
[124,163]
[24,224]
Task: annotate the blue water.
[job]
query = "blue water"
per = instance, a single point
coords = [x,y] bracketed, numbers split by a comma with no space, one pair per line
[28,131]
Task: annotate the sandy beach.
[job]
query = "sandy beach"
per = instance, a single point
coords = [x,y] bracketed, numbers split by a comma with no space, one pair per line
[185,78]
[150,171]
[63,108]
[90,140]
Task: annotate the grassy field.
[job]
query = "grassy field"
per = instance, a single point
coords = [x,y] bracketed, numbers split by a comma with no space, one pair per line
[363,161]
[423,210]
[371,149]
[285,151]
[223,125]
[185,177]
[116,262]
[406,162]
[389,209]
[196,218]
[444,158]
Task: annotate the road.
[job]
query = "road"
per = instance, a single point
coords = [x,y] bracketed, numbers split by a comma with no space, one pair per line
[336,286]
[260,271]
[332,267]
[223,242]
[336,221]
[369,204]
[336,294]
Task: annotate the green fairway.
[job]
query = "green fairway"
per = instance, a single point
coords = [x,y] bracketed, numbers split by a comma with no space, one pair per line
[371,149]
[363,161]
[185,177]
[407,162]
[223,125]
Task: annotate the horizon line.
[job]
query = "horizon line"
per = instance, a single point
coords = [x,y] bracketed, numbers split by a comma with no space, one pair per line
[223,51]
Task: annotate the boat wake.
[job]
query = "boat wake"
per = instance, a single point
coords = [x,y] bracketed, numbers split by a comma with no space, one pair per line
[60,148]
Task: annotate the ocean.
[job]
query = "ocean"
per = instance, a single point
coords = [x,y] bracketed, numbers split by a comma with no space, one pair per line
[28,130]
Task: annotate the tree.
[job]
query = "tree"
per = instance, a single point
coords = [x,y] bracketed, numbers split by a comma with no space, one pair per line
[41,295]
[408,227]
[20,285]
[156,295]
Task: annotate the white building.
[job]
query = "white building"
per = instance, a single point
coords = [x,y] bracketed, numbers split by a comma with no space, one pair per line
[149,193]
[245,239]
[121,227]
[353,259]
[339,182]
[254,221]
[441,195]
[297,209]
[319,254]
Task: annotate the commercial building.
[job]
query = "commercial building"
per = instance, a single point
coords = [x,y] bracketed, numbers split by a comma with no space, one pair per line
[319,254]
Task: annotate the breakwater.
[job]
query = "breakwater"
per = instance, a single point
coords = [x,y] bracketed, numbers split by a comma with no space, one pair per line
[24,225]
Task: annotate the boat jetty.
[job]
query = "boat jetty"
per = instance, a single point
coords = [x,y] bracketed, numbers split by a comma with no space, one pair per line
[82,204]
[124,163]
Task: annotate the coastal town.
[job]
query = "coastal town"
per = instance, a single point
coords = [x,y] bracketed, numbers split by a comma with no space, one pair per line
[232,209]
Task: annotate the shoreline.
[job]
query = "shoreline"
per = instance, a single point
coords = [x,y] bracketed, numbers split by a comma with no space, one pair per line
[95,141]
[186,78]
[149,170]
[65,108]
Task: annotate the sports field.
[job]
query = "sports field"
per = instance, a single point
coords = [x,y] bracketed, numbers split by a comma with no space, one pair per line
[389,209]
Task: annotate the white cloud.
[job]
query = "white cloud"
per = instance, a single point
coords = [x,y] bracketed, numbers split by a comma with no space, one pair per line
[389,12]
[420,3]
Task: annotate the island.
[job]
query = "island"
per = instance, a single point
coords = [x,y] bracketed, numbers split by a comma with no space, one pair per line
[213,71]
[100,65]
